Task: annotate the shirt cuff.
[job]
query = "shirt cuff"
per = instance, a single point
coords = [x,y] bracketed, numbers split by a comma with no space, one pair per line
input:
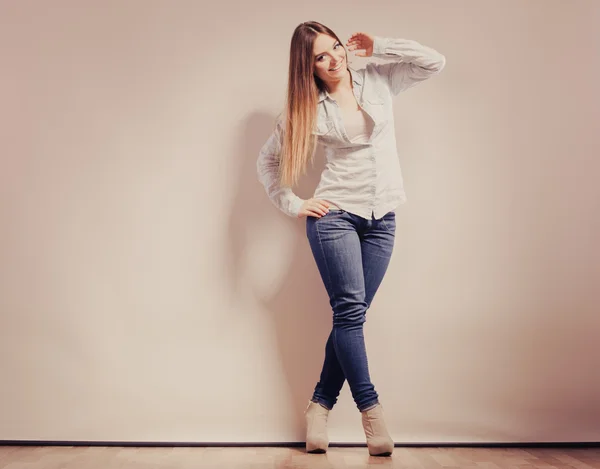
[379,45]
[295,207]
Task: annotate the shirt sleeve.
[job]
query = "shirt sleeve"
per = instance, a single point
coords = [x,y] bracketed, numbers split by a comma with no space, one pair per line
[267,167]
[411,62]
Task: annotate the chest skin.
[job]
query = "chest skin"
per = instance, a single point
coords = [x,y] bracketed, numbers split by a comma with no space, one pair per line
[347,104]
[367,95]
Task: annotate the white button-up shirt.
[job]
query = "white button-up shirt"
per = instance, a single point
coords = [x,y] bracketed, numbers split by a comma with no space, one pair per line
[361,178]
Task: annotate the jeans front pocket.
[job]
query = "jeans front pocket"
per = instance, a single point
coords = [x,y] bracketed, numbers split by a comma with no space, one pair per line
[389,222]
[332,214]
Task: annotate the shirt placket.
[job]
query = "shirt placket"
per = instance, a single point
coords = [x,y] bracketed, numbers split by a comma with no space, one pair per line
[371,155]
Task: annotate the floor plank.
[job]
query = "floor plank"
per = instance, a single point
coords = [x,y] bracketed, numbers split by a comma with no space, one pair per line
[113,457]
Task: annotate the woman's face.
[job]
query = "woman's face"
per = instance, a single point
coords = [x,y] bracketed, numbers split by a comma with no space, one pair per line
[330,58]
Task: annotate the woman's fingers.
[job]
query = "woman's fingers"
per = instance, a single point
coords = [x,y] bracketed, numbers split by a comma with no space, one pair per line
[360,41]
[323,206]
[316,212]
[320,211]
[315,208]
[357,37]
[312,212]
[357,46]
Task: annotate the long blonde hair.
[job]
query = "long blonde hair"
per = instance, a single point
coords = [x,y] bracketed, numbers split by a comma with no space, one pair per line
[299,143]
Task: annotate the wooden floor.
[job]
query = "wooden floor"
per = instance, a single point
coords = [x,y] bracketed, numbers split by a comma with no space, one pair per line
[95,457]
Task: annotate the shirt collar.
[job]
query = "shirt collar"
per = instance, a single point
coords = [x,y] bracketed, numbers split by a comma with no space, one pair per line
[357,79]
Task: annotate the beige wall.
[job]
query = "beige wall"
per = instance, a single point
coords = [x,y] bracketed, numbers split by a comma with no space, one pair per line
[149,291]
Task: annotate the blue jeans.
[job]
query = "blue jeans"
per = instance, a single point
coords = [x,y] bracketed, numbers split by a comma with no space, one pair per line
[352,255]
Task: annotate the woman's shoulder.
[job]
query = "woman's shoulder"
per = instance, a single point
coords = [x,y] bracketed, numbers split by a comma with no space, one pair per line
[358,73]
[279,121]
[373,80]
[369,75]
[372,72]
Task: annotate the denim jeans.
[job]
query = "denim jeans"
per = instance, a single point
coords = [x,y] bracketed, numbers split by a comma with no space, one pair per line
[352,256]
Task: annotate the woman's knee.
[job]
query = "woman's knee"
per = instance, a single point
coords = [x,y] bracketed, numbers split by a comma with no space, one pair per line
[348,314]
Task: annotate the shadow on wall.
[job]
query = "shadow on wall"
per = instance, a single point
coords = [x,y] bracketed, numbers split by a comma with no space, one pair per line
[299,311]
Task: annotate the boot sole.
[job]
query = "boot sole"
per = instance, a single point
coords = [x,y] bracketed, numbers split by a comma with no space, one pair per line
[387,453]
[316,451]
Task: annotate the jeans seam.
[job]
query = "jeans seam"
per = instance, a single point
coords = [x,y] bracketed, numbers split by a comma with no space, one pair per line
[330,286]
[386,226]
[324,258]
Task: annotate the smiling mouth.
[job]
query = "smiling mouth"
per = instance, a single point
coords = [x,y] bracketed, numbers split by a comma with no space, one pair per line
[336,68]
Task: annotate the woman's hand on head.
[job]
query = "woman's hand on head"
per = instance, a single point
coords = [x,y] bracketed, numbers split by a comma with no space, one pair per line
[313,208]
[362,42]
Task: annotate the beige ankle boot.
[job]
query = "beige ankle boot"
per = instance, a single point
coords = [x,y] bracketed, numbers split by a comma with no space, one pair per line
[316,428]
[379,441]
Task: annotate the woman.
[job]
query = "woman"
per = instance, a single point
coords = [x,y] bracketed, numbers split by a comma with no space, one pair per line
[350,220]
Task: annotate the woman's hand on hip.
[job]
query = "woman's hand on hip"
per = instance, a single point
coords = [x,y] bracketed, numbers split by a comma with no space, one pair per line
[313,208]
[362,42]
